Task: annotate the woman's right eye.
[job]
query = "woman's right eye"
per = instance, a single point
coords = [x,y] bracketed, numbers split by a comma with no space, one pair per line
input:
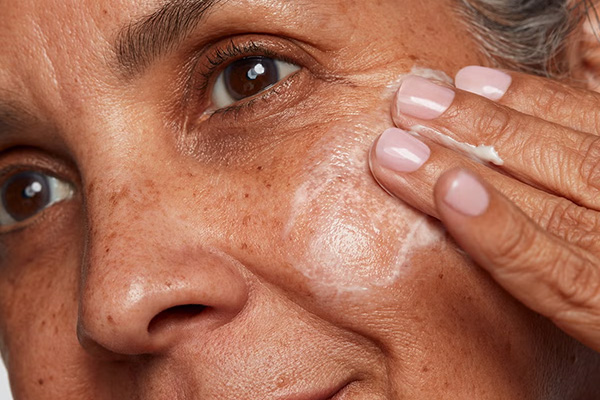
[25,194]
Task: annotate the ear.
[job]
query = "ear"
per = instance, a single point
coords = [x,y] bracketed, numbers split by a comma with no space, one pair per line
[584,49]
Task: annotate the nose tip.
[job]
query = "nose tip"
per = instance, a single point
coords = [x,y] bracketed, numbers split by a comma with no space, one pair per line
[150,312]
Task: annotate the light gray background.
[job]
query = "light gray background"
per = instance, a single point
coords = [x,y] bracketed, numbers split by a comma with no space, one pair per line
[4,390]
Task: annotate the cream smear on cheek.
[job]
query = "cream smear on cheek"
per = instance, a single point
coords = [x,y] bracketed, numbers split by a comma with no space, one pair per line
[481,153]
[345,233]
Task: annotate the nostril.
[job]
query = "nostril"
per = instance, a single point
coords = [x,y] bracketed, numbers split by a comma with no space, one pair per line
[174,316]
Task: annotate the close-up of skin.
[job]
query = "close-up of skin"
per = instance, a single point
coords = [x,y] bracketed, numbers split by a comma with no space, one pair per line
[202,243]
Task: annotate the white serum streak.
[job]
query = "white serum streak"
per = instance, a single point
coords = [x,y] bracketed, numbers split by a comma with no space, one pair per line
[353,246]
[481,153]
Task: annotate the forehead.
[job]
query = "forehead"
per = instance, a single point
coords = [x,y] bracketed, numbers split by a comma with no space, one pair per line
[52,48]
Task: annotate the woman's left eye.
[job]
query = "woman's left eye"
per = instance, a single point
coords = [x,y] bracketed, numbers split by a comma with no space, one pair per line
[248,77]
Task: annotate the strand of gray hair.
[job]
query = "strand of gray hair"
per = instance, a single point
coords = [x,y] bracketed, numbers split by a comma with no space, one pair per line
[526,35]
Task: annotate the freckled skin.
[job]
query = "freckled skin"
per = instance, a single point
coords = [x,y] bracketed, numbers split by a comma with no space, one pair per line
[168,215]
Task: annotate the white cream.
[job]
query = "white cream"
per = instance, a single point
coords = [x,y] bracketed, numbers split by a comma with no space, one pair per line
[481,153]
[359,238]
[423,72]
[429,73]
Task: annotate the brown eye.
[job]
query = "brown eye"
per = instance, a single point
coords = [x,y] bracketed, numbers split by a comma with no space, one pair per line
[248,77]
[25,194]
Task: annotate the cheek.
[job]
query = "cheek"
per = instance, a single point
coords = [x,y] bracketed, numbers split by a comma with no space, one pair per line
[344,232]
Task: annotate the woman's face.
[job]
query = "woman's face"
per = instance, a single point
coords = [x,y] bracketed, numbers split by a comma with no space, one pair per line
[172,230]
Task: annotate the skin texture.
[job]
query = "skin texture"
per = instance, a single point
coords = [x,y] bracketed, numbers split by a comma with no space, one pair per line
[172,208]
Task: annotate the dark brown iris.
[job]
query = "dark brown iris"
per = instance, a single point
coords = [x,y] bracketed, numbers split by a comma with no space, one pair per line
[249,76]
[25,194]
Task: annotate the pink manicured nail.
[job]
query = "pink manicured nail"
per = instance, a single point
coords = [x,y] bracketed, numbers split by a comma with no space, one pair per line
[467,196]
[399,151]
[486,82]
[421,98]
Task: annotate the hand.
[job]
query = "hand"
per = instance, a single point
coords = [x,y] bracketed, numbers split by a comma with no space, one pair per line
[532,223]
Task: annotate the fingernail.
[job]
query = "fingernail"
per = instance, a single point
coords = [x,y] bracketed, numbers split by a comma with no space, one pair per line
[423,99]
[486,82]
[399,151]
[467,196]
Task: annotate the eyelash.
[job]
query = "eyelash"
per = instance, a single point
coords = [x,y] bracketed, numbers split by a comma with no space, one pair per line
[231,52]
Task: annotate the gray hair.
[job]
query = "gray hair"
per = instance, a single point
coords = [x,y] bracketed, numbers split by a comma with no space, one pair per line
[526,35]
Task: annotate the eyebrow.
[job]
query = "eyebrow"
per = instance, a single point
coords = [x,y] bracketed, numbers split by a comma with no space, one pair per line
[141,42]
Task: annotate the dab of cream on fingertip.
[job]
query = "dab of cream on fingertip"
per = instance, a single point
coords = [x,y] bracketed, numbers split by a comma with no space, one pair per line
[423,72]
[480,153]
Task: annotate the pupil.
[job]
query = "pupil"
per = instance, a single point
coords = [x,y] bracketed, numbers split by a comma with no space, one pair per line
[249,76]
[25,194]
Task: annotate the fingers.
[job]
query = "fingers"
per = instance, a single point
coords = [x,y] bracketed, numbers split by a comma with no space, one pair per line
[407,168]
[543,98]
[538,152]
[546,274]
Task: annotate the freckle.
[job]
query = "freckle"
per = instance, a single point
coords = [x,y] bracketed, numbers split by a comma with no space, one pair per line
[441,276]
[282,381]
[43,323]
[246,195]
[259,168]
[110,319]
[40,381]
[425,369]
[246,220]
[107,250]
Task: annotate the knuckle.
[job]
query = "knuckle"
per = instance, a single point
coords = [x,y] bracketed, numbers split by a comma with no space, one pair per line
[516,242]
[575,281]
[550,100]
[565,104]
[562,216]
[589,168]
[570,222]
[495,122]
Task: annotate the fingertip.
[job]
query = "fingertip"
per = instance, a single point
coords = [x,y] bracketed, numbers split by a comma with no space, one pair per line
[487,82]
[462,192]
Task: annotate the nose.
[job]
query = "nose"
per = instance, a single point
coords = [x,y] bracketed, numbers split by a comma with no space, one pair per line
[148,283]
